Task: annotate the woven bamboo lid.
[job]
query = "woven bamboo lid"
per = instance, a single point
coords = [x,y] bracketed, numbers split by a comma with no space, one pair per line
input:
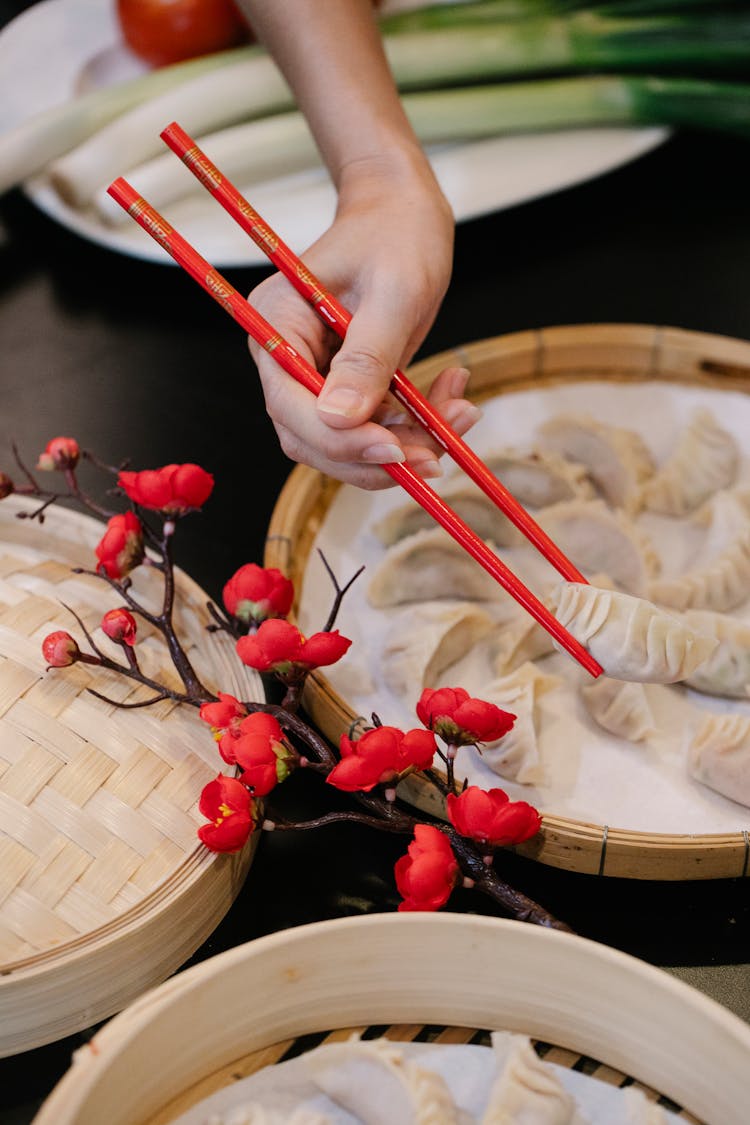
[104,887]
[620,353]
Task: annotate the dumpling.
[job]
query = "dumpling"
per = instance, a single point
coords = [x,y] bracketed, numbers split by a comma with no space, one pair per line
[616,459]
[597,539]
[468,501]
[720,585]
[427,566]
[631,638]
[727,669]
[705,460]
[719,755]
[540,477]
[516,755]
[428,639]
[528,1092]
[517,641]
[377,1083]
[259,1115]
[621,708]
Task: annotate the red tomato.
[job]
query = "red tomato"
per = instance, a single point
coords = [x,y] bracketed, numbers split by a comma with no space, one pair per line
[167,31]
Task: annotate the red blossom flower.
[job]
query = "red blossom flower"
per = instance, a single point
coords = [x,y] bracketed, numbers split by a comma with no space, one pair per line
[381,756]
[262,753]
[120,549]
[119,625]
[231,812]
[6,486]
[460,720]
[224,718]
[254,593]
[60,650]
[427,874]
[60,453]
[490,818]
[279,647]
[173,489]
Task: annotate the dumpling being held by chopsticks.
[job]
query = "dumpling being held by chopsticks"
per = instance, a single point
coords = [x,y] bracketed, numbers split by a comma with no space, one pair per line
[631,638]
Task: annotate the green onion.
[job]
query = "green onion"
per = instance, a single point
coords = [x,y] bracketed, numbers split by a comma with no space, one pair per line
[263,149]
[251,87]
[32,144]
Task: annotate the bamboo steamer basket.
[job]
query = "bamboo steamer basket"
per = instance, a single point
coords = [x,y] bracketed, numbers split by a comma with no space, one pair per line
[544,357]
[195,1033]
[104,887]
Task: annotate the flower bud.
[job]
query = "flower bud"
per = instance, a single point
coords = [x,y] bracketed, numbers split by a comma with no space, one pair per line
[60,649]
[173,489]
[255,593]
[60,453]
[121,548]
[119,625]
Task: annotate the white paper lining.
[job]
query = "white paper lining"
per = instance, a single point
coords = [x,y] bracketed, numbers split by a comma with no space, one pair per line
[589,774]
[468,1071]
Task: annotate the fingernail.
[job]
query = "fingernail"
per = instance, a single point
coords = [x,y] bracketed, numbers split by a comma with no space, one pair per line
[428,468]
[462,415]
[345,401]
[384,454]
[459,379]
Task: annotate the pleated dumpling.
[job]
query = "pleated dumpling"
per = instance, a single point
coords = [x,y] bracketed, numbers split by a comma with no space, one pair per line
[719,755]
[540,477]
[727,670]
[468,501]
[617,460]
[260,1115]
[631,638]
[426,640]
[596,539]
[516,755]
[426,566]
[705,460]
[376,1082]
[619,707]
[719,577]
[721,584]
[528,1092]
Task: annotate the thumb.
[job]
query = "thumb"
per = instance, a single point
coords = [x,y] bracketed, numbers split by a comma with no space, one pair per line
[362,369]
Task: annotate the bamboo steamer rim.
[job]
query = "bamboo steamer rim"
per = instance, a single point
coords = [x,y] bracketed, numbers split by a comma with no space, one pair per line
[104,887]
[545,356]
[550,985]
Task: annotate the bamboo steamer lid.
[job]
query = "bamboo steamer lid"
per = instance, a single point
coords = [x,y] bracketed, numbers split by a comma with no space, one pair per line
[519,360]
[104,887]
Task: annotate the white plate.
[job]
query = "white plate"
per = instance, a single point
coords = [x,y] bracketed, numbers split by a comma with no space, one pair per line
[48,51]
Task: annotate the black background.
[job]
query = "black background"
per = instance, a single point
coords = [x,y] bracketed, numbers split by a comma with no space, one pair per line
[135,361]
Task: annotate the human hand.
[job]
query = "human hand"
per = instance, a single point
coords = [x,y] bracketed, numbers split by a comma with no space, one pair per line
[387,258]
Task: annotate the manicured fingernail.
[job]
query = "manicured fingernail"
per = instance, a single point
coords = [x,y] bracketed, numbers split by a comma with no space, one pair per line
[462,415]
[459,379]
[428,468]
[384,454]
[345,401]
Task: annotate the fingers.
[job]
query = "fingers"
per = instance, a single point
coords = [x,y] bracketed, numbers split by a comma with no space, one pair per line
[362,369]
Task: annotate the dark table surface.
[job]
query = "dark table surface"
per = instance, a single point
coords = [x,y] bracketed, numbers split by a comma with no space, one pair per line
[134,360]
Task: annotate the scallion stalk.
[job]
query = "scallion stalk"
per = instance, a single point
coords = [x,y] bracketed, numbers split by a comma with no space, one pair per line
[252,87]
[32,144]
[264,149]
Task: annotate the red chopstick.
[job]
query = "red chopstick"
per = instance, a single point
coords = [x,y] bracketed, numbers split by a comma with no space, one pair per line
[294,364]
[338,318]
